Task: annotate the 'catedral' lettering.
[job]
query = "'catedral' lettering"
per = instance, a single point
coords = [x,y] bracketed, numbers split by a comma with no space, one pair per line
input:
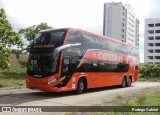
[109,57]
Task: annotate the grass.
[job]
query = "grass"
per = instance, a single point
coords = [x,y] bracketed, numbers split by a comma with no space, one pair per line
[152,99]
[14,77]
[109,100]
[149,79]
[145,100]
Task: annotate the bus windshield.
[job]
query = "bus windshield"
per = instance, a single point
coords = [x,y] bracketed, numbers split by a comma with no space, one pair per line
[41,64]
[50,37]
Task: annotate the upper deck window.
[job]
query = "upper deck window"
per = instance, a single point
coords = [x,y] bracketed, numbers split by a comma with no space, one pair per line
[50,37]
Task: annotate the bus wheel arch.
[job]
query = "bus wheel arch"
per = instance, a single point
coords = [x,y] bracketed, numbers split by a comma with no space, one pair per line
[82,85]
[129,81]
[124,81]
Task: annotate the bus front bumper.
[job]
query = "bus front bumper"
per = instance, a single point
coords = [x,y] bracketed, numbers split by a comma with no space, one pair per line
[48,87]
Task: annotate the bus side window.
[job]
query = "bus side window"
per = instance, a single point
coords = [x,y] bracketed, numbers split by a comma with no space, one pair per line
[136,67]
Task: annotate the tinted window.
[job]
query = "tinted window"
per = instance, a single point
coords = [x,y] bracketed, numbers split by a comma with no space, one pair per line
[50,37]
[74,37]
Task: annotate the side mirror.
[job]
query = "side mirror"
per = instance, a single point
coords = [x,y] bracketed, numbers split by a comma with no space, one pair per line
[18,52]
[58,49]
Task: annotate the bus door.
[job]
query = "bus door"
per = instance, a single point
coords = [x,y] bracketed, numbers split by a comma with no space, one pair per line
[66,71]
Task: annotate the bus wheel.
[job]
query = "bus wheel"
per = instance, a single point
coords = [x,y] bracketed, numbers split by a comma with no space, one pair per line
[123,82]
[129,82]
[80,86]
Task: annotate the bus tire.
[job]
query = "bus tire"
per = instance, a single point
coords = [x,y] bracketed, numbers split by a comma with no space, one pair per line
[129,81]
[80,86]
[123,82]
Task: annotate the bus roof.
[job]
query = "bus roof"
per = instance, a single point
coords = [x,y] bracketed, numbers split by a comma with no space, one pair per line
[108,38]
[53,29]
[88,32]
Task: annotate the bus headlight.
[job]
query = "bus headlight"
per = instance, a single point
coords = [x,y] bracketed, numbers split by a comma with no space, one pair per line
[52,81]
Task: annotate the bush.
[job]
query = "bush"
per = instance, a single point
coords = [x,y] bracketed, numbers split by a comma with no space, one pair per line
[150,71]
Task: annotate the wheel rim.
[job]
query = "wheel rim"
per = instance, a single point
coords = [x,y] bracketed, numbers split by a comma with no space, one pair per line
[81,86]
[129,82]
[124,83]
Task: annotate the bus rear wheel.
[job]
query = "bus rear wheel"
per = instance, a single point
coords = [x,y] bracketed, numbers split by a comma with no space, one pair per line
[123,82]
[129,82]
[80,86]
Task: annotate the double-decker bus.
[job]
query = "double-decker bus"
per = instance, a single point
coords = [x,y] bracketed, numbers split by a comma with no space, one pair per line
[73,59]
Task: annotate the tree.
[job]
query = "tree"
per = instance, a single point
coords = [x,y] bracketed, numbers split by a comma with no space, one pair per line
[7,38]
[30,32]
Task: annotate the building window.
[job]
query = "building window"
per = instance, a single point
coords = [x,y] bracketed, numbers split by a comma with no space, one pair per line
[150,25]
[150,38]
[157,31]
[130,29]
[130,39]
[157,24]
[123,14]
[150,44]
[150,51]
[157,57]
[130,34]
[150,57]
[157,37]
[123,30]
[122,24]
[122,35]
[157,51]
[150,31]
[123,19]
[157,44]
[123,8]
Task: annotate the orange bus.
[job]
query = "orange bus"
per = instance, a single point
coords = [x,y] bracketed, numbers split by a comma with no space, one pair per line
[73,59]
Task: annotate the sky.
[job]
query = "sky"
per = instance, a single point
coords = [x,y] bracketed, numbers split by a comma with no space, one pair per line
[83,14]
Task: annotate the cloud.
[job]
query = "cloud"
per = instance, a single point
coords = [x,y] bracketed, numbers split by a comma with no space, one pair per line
[85,14]
[154,11]
[16,23]
[97,28]
[2,4]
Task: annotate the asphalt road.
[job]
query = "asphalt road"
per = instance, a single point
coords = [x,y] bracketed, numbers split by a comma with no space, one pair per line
[27,97]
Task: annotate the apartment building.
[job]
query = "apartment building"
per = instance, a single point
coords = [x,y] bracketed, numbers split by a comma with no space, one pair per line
[152,41]
[120,23]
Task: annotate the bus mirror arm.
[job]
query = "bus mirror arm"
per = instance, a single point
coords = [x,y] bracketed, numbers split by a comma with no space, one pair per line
[19,51]
[58,49]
